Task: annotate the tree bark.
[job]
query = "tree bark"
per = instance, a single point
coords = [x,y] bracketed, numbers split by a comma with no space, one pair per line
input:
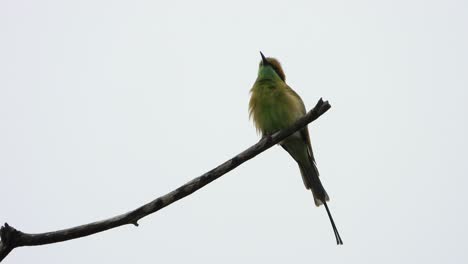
[12,238]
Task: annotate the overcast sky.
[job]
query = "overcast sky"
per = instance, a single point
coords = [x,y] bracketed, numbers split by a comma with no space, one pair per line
[106,105]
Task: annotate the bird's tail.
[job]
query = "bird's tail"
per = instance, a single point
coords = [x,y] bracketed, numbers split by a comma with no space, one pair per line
[310,176]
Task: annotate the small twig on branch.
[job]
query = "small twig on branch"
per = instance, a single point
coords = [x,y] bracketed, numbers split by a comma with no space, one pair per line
[12,238]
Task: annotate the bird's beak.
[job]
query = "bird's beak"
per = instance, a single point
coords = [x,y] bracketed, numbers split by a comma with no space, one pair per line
[264,60]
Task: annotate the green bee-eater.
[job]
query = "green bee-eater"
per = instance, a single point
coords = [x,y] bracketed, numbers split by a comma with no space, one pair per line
[273,106]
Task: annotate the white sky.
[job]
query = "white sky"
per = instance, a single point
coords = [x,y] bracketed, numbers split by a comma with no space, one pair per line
[105,105]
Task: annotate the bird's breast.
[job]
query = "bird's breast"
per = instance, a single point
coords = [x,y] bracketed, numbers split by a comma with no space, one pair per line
[272,110]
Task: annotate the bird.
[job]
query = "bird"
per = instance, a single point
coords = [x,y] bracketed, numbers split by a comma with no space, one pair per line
[274,106]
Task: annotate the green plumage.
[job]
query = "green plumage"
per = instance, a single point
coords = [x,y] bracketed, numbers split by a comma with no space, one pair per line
[274,106]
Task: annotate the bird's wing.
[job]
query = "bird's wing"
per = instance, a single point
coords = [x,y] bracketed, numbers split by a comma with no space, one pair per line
[303,132]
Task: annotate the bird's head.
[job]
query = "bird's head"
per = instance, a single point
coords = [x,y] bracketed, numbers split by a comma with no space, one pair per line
[270,68]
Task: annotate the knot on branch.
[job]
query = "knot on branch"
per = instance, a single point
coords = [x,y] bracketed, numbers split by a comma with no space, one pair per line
[9,235]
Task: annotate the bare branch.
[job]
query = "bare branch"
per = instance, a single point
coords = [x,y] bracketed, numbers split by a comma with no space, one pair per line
[12,238]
